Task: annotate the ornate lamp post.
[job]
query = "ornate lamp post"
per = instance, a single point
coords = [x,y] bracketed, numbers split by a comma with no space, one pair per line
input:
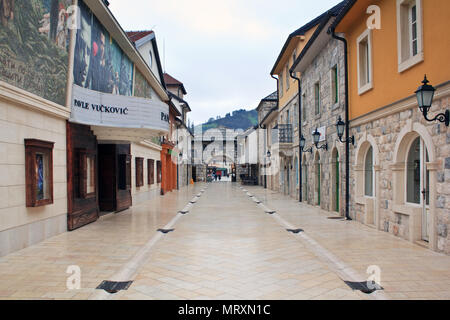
[340,125]
[302,145]
[425,95]
[316,139]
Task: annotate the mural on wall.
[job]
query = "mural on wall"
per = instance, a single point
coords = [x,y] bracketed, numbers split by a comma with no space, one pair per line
[100,64]
[33,46]
[141,87]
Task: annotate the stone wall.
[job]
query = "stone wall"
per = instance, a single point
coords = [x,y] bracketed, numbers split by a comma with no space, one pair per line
[390,135]
[320,71]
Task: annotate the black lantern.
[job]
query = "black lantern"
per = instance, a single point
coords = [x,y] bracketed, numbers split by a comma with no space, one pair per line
[269,154]
[302,145]
[316,139]
[425,95]
[340,126]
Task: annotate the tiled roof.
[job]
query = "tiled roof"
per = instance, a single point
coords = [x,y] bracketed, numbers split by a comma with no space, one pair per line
[137,35]
[169,80]
[301,31]
[273,96]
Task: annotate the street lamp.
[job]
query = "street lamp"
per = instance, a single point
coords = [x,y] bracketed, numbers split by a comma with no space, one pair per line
[425,95]
[340,125]
[269,154]
[316,139]
[302,145]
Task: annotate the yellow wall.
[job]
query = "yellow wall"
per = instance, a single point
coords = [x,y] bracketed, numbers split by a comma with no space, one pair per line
[287,60]
[388,84]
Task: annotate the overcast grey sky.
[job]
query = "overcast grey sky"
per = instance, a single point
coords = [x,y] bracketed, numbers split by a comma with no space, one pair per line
[222,50]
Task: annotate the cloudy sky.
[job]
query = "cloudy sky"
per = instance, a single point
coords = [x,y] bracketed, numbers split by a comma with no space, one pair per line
[222,50]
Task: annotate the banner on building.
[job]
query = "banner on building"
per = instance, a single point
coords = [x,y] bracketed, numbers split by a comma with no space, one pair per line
[102,109]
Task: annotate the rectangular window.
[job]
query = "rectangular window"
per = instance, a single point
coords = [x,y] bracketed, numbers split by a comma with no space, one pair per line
[139,172]
[334,85]
[158,171]
[409,33]
[304,113]
[413,22]
[281,84]
[364,46]
[317,98]
[151,171]
[287,78]
[38,172]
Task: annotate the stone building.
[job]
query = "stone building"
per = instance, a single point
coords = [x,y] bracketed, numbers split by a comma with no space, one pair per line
[285,133]
[322,68]
[72,146]
[401,167]
[265,106]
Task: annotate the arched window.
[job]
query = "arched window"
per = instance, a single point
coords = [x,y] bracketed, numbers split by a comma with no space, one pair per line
[417,176]
[368,173]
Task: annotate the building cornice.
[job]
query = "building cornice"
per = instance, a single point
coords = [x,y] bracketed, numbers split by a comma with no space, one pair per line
[33,102]
[407,103]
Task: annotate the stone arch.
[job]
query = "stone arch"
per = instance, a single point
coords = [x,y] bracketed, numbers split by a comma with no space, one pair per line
[369,204]
[317,179]
[406,137]
[335,185]
[414,213]
[305,175]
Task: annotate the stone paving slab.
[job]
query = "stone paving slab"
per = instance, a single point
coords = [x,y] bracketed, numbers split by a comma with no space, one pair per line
[408,271]
[225,247]
[99,249]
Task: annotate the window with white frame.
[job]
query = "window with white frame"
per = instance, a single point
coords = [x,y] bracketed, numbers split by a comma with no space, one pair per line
[364,47]
[409,33]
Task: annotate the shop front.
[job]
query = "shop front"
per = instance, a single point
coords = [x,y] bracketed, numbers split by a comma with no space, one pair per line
[100,135]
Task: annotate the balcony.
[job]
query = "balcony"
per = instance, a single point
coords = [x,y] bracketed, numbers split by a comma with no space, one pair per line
[282,139]
[282,133]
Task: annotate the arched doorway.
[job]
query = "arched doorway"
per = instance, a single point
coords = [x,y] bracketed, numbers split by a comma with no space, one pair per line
[304,180]
[317,191]
[335,194]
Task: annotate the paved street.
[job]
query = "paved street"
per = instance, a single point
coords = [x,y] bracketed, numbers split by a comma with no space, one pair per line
[226,247]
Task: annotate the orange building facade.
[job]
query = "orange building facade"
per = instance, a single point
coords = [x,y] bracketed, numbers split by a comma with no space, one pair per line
[401,162]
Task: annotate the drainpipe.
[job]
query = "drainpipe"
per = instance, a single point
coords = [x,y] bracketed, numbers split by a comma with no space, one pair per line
[299,82]
[278,106]
[347,126]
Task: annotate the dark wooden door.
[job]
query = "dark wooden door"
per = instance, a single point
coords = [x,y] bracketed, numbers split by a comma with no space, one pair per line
[82,200]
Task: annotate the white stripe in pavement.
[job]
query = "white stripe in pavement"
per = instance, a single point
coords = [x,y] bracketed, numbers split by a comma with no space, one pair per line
[130,269]
[344,271]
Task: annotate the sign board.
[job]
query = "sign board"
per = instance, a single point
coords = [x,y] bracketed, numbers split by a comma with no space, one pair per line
[110,110]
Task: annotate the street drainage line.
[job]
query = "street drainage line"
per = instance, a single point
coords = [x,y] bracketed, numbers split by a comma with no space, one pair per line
[130,269]
[334,263]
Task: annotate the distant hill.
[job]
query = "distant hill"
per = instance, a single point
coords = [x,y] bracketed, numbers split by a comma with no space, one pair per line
[239,119]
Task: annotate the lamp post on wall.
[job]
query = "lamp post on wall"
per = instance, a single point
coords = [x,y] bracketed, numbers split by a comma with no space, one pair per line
[316,139]
[302,145]
[425,95]
[341,125]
